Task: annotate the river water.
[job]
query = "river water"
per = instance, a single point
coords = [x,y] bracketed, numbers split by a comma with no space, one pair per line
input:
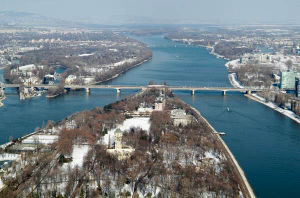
[265,143]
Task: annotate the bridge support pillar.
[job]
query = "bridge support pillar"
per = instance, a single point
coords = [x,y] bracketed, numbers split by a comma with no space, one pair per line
[193,92]
[248,92]
[118,90]
[87,90]
[224,92]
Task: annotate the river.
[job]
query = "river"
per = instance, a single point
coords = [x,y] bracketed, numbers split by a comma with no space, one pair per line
[265,143]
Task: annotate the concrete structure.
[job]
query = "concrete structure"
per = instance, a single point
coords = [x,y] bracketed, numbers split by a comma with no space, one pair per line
[160,103]
[118,139]
[288,80]
[132,87]
[122,152]
[180,117]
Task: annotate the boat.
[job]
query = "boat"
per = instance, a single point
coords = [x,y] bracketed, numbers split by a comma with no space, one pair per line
[220,133]
[228,109]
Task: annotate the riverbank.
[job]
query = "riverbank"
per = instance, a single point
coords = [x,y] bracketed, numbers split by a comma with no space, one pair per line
[235,83]
[216,54]
[246,188]
[53,96]
[122,72]
[273,106]
[233,79]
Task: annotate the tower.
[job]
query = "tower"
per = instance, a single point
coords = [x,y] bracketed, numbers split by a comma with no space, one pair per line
[118,139]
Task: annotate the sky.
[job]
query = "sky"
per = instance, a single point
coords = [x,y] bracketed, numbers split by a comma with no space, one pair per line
[163,11]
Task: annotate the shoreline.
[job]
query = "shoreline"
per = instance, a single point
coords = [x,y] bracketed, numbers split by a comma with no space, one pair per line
[122,72]
[273,106]
[246,185]
[234,82]
[1,103]
[53,96]
[288,113]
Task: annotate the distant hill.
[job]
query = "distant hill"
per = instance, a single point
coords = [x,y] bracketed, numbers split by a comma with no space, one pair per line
[12,18]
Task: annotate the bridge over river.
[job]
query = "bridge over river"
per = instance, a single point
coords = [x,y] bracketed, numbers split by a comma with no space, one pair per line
[118,88]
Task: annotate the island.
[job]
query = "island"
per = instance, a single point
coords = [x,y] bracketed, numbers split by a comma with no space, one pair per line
[67,56]
[150,144]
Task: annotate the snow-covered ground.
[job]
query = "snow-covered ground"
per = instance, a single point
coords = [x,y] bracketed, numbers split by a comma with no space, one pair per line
[129,60]
[234,81]
[29,67]
[233,63]
[82,55]
[88,80]
[109,137]
[78,154]
[139,122]
[3,146]
[9,156]
[107,67]
[42,139]
[211,155]
[1,184]
[285,112]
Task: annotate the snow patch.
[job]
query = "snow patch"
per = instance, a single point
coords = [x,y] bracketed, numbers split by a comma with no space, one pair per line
[41,139]
[82,55]
[234,80]
[78,154]
[285,112]
[140,122]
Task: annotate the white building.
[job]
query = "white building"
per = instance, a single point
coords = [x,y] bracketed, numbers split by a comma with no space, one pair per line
[70,79]
[180,117]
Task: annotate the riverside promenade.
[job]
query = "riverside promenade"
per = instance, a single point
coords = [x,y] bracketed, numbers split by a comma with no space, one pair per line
[245,186]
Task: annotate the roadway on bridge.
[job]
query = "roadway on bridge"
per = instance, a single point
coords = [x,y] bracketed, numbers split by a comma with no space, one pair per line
[137,87]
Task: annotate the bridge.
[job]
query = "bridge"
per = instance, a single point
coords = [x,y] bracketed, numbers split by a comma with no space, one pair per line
[118,88]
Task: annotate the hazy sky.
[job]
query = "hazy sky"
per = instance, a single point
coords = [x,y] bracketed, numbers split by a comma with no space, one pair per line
[164,11]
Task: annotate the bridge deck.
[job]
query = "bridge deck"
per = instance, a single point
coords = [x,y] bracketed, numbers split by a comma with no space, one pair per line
[138,87]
